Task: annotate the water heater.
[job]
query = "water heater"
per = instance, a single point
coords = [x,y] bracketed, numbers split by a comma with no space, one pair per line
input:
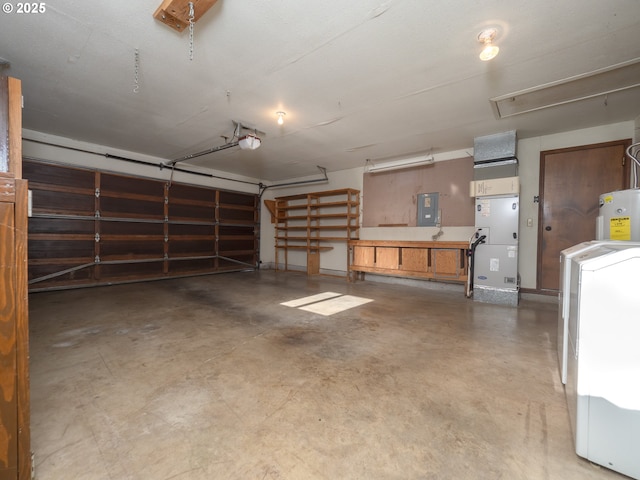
[619,216]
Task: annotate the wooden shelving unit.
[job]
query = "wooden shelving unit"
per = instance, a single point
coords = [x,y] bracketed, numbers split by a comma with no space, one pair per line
[311,222]
[97,228]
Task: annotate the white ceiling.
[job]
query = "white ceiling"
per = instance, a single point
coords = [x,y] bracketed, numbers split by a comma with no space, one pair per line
[361,79]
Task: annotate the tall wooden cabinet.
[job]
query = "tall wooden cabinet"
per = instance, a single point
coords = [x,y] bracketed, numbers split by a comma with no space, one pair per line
[15,446]
[313,222]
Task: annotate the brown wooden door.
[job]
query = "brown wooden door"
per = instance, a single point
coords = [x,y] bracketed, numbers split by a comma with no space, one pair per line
[571,181]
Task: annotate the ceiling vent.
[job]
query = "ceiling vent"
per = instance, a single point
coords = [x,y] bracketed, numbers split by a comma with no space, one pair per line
[622,76]
[493,150]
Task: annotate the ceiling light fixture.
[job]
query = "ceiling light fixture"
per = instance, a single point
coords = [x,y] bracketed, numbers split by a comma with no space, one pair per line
[489,51]
[280,117]
[249,142]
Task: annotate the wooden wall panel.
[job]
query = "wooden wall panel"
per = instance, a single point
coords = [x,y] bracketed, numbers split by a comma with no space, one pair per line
[235,262]
[390,198]
[188,229]
[15,454]
[8,353]
[233,231]
[133,228]
[236,198]
[4,124]
[55,226]
[63,203]
[15,435]
[61,248]
[364,256]
[44,175]
[414,259]
[446,262]
[132,271]
[387,257]
[202,247]
[189,267]
[22,326]
[236,215]
[123,248]
[80,276]
[130,187]
[190,193]
[131,208]
[202,213]
[143,229]
[14,87]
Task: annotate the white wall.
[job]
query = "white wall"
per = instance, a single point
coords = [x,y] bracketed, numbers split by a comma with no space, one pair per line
[41,151]
[529,169]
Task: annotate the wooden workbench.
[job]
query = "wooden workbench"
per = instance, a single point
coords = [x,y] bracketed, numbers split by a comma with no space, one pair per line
[440,260]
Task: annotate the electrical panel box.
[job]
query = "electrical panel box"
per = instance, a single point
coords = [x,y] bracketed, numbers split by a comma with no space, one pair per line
[428,212]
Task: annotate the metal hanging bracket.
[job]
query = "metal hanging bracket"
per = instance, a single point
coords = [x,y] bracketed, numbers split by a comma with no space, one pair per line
[175,13]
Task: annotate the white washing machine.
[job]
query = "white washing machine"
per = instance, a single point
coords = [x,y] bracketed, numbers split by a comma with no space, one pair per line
[564,297]
[603,367]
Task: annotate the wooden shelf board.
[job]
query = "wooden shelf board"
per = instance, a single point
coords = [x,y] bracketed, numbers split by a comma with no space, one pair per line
[406,273]
[304,247]
[328,193]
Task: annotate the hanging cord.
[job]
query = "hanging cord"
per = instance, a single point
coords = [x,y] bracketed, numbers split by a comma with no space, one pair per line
[191,22]
[636,163]
[136,71]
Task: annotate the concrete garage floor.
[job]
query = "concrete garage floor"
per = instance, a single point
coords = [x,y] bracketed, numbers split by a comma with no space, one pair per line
[211,378]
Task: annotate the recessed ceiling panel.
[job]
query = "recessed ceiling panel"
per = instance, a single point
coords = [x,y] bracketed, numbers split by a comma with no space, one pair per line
[622,76]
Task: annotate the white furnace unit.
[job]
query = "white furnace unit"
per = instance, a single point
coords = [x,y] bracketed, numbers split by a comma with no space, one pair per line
[603,367]
[495,261]
[496,187]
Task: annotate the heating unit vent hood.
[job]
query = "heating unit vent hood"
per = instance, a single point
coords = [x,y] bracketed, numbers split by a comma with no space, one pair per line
[494,150]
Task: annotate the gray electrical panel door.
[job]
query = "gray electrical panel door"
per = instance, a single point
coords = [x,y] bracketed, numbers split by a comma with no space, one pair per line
[428,210]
